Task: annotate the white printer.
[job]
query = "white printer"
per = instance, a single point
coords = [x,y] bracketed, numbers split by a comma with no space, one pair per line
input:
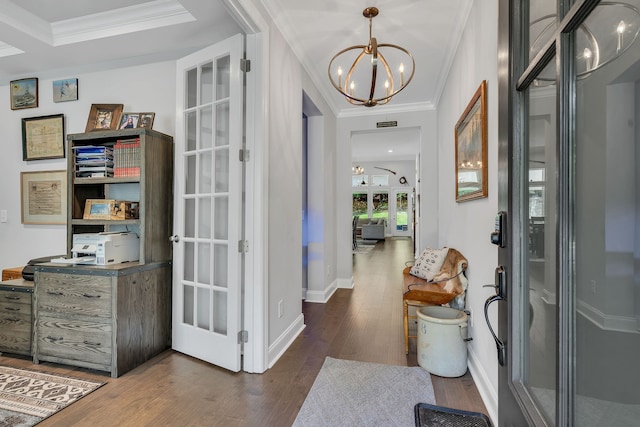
[105,248]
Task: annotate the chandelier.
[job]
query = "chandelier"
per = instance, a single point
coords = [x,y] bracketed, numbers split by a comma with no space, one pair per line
[357,170]
[361,85]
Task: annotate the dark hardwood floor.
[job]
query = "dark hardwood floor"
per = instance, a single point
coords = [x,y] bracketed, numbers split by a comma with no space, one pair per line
[364,323]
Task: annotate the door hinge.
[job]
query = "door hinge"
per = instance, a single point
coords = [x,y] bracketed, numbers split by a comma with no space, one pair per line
[243,337]
[243,155]
[243,246]
[245,65]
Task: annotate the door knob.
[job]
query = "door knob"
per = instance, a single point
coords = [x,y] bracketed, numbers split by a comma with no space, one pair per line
[175,238]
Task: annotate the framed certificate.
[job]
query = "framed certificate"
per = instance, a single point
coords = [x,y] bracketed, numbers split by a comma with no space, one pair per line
[43,137]
[44,197]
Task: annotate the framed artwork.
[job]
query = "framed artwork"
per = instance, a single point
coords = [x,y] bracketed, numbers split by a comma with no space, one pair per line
[43,137]
[146,120]
[104,117]
[24,93]
[129,121]
[471,148]
[65,90]
[43,197]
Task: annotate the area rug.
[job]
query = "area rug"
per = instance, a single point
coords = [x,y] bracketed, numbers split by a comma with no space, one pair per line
[349,393]
[27,397]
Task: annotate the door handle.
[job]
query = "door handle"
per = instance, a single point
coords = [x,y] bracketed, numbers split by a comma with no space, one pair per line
[175,238]
[499,296]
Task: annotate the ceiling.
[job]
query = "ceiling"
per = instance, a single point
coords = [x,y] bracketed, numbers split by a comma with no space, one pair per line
[44,38]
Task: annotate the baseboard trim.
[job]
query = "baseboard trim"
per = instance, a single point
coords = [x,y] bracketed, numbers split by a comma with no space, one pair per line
[321,296]
[284,341]
[346,283]
[487,392]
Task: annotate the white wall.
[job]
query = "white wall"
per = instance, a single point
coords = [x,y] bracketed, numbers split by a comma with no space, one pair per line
[285,194]
[141,88]
[466,226]
[321,191]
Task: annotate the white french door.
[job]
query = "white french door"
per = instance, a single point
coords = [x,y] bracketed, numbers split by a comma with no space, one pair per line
[208,210]
[401,217]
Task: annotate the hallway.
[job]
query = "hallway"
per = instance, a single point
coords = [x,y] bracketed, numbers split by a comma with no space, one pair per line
[364,323]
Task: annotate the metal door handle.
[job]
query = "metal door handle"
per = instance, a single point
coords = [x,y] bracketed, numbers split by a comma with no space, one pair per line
[499,296]
[499,343]
[175,238]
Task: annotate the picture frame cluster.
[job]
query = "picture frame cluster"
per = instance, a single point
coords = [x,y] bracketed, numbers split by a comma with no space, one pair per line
[111,116]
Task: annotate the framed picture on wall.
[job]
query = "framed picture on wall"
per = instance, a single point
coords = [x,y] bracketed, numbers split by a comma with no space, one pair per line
[43,197]
[43,137]
[65,90]
[471,148]
[24,93]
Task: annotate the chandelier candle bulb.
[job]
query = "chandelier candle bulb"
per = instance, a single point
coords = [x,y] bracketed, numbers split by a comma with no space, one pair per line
[340,76]
[401,74]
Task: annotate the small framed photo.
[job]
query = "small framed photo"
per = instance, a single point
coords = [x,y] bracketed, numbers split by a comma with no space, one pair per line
[43,197]
[43,137]
[65,90]
[104,117]
[146,120]
[129,120]
[24,93]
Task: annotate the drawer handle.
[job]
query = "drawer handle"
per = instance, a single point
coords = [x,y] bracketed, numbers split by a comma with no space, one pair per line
[9,319]
[90,296]
[95,344]
[12,309]
[12,298]
[54,338]
[54,293]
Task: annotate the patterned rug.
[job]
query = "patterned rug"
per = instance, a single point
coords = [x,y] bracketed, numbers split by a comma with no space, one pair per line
[349,393]
[27,397]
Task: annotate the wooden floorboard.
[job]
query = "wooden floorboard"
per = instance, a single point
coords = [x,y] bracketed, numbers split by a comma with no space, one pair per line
[364,324]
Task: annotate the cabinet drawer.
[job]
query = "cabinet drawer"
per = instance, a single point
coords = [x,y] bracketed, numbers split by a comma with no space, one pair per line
[15,298]
[74,295]
[15,332]
[74,340]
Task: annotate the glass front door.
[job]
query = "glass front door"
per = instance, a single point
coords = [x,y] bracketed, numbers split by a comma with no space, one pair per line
[570,146]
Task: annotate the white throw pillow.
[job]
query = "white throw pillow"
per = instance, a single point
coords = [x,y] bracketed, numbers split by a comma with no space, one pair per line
[429,263]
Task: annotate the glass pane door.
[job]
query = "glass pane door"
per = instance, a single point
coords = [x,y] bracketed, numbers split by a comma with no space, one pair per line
[206,306]
[540,349]
[607,221]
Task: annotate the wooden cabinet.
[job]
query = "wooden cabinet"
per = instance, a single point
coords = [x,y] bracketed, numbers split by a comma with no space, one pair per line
[16,316]
[114,317]
[110,318]
[152,189]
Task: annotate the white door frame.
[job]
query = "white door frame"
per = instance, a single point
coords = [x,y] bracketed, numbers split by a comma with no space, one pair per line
[255,292]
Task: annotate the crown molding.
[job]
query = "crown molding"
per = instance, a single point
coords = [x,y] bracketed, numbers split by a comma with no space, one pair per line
[145,16]
[8,50]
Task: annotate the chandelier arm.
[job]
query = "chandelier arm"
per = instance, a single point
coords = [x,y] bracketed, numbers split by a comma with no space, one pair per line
[374,63]
[388,96]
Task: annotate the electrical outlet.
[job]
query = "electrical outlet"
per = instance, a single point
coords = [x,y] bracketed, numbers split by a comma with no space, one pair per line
[280,308]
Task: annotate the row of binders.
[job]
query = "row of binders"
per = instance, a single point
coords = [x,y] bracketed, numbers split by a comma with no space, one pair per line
[120,160]
[126,157]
